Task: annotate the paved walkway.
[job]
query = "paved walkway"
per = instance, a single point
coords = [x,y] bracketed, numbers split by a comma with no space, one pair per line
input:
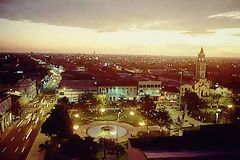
[34,153]
[4,134]
[189,121]
[131,130]
[82,131]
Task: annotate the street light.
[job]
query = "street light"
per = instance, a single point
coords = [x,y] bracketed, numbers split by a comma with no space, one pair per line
[142,123]
[180,83]
[132,113]
[76,115]
[75,127]
[217,114]
[102,110]
[118,117]
[230,106]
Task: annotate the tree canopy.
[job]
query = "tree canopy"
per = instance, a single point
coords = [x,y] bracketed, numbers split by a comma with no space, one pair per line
[192,100]
[148,109]
[81,149]
[58,123]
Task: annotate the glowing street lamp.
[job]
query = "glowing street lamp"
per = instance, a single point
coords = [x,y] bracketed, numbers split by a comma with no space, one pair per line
[142,123]
[230,106]
[76,115]
[102,110]
[118,118]
[132,113]
[219,110]
[75,127]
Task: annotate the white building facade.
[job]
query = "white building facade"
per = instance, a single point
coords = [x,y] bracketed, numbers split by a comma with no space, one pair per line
[118,91]
[202,86]
[149,87]
[72,89]
[27,88]
[5,112]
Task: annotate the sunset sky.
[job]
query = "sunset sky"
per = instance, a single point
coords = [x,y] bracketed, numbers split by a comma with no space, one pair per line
[151,27]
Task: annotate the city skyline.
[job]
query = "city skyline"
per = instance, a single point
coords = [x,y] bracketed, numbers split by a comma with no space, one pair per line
[175,28]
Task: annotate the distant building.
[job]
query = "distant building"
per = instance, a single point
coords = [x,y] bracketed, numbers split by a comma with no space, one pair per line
[200,72]
[216,142]
[5,111]
[27,88]
[225,92]
[201,85]
[149,87]
[72,89]
[170,93]
[116,90]
[81,69]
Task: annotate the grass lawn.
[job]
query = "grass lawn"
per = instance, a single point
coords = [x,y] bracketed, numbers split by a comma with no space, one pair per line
[131,119]
[209,110]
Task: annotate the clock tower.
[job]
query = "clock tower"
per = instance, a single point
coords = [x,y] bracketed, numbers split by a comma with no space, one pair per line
[200,72]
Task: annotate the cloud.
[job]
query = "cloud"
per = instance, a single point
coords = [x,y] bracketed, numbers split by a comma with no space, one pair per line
[116,15]
[232,15]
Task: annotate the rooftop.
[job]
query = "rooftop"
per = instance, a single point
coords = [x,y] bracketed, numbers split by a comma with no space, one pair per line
[74,75]
[78,84]
[118,83]
[170,89]
[208,141]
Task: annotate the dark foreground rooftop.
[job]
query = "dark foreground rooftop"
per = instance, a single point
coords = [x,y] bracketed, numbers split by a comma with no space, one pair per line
[220,142]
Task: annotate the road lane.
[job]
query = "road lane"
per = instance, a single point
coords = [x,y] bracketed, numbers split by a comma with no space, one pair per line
[15,146]
[20,147]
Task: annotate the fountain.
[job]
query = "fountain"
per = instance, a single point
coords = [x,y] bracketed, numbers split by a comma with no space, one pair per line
[108,131]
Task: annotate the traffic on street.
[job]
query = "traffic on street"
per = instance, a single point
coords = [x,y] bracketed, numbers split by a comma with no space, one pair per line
[17,143]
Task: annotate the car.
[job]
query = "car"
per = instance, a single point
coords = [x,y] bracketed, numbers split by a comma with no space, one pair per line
[28,116]
[33,117]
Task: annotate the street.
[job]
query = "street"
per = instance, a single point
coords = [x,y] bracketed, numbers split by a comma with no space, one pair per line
[18,142]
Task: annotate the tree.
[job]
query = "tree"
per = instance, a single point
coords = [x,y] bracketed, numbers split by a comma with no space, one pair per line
[78,148]
[58,124]
[102,101]
[214,99]
[86,97]
[225,101]
[111,148]
[163,117]
[147,105]
[149,111]
[87,100]
[192,101]
[63,101]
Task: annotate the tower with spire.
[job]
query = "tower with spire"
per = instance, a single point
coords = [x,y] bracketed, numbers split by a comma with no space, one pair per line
[200,72]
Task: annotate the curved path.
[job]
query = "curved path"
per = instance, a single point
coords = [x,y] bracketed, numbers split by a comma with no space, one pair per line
[131,130]
[82,131]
